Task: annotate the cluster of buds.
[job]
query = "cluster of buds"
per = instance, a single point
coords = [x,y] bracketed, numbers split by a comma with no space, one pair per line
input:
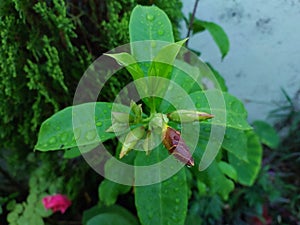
[157,127]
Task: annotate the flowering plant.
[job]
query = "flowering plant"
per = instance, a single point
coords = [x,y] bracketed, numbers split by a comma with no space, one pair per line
[183,108]
[56,202]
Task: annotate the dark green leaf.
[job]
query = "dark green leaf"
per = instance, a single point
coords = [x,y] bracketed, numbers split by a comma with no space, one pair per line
[108,219]
[81,125]
[164,202]
[266,133]
[148,23]
[116,210]
[247,171]
[109,191]
[217,32]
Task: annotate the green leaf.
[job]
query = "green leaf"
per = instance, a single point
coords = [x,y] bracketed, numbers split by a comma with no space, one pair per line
[217,32]
[221,104]
[248,171]
[72,153]
[130,63]
[228,170]
[148,23]
[108,219]
[87,128]
[164,202]
[219,78]
[216,180]
[235,142]
[114,209]
[161,67]
[266,133]
[109,191]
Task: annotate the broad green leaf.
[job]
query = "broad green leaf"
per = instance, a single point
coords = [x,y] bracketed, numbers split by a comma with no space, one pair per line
[235,142]
[165,202]
[266,133]
[209,101]
[87,128]
[216,180]
[213,177]
[248,171]
[148,23]
[108,219]
[109,191]
[217,32]
[130,63]
[116,210]
[228,170]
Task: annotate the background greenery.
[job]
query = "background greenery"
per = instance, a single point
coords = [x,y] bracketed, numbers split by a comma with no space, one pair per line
[45,48]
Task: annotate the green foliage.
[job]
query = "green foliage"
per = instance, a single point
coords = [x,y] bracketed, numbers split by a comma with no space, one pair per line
[166,202]
[266,133]
[108,215]
[216,32]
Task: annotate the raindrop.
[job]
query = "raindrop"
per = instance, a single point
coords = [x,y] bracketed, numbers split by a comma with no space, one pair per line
[177,200]
[150,17]
[52,140]
[64,137]
[90,135]
[99,124]
[198,105]
[160,32]
[175,178]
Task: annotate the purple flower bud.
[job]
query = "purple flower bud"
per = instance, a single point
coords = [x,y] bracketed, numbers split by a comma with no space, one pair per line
[176,146]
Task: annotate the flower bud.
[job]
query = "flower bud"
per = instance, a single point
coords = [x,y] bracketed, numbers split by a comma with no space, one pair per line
[176,146]
[185,116]
[131,140]
[137,111]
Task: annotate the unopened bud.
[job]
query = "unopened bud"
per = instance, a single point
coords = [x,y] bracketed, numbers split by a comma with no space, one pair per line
[176,146]
[137,111]
[185,116]
[131,140]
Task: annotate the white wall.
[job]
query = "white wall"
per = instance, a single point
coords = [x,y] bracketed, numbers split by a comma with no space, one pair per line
[265,48]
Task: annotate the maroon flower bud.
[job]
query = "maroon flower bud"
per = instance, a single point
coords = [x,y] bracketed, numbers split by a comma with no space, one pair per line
[176,146]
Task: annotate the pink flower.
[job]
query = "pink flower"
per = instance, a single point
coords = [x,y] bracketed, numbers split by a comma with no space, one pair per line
[57,202]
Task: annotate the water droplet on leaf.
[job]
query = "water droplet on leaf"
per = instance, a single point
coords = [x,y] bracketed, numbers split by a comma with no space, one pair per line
[99,124]
[150,17]
[90,135]
[52,140]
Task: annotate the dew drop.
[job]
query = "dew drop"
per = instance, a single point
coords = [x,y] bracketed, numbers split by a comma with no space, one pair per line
[177,200]
[57,128]
[160,32]
[99,124]
[198,105]
[150,17]
[175,178]
[90,135]
[52,140]
[64,137]
[176,189]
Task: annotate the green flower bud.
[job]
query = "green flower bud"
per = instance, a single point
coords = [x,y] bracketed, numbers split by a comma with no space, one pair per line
[137,111]
[131,140]
[185,116]
[176,146]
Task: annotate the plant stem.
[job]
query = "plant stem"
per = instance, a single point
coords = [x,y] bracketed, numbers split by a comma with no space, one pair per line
[191,22]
